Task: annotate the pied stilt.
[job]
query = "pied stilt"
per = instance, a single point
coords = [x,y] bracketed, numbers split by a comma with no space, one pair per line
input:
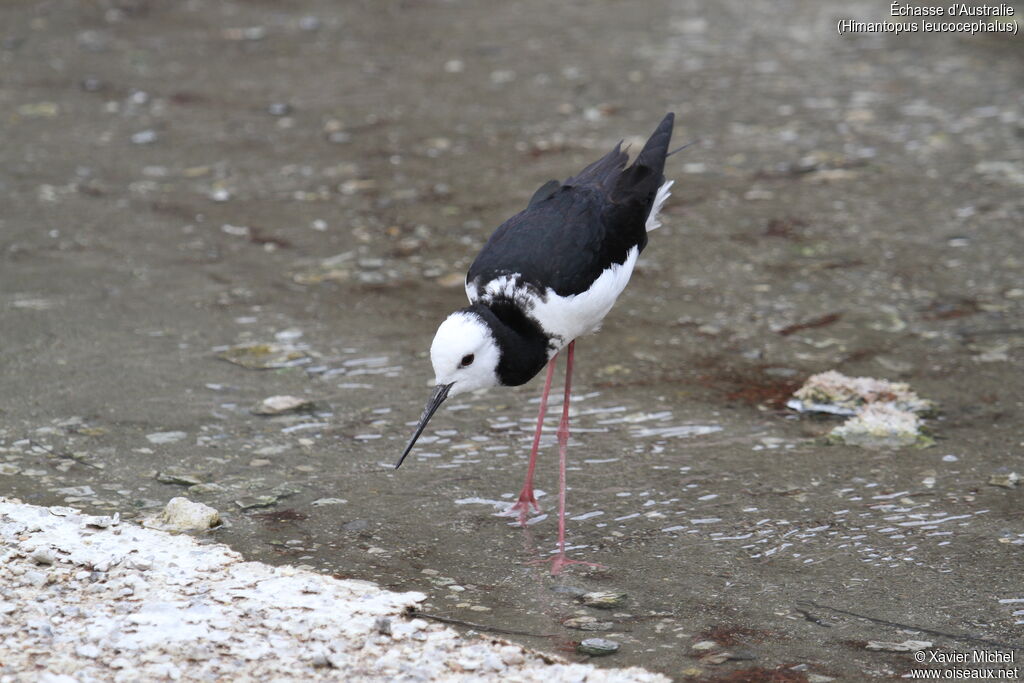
[547,276]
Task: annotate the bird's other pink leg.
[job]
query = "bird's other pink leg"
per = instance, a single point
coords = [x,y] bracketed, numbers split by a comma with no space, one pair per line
[526,497]
[560,560]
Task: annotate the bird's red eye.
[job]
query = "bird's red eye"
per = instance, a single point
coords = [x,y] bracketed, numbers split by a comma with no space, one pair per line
[467,360]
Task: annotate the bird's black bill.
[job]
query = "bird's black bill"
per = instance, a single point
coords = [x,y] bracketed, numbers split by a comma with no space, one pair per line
[433,403]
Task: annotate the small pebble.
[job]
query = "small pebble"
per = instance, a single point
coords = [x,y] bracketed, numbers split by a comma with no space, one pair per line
[144,137]
[603,599]
[309,23]
[598,647]
[278,405]
[1006,481]
[142,564]
[165,437]
[43,555]
[253,502]
[87,650]
[588,624]
[36,579]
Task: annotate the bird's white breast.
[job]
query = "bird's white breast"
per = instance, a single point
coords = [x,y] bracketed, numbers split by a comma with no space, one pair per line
[569,317]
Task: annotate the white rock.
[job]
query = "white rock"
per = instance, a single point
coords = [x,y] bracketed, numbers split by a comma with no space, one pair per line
[181,514]
[276,405]
[43,555]
[511,655]
[165,437]
[89,651]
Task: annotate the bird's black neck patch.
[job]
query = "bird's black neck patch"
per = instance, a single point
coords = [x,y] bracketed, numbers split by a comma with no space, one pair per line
[521,342]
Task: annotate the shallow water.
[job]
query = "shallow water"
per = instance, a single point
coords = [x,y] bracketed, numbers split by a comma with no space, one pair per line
[844,208]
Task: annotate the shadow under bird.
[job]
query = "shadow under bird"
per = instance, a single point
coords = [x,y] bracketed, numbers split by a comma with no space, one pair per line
[547,276]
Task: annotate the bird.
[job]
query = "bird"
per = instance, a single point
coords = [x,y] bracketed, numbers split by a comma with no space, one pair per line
[546,277]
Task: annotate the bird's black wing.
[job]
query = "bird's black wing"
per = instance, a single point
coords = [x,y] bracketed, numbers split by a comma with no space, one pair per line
[544,191]
[571,233]
[561,243]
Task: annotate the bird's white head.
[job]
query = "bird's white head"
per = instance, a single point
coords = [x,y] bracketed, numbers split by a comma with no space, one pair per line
[464,354]
[465,357]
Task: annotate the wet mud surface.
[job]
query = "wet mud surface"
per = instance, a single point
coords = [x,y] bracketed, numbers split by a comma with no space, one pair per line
[314,178]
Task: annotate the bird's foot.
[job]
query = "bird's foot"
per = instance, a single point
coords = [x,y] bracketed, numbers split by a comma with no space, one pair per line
[521,508]
[560,561]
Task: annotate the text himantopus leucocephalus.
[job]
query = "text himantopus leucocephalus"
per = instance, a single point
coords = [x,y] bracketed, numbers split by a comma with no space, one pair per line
[547,276]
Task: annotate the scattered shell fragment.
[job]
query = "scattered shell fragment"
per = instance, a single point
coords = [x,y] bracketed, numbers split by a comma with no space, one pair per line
[145,137]
[46,110]
[328,501]
[277,405]
[102,521]
[1007,481]
[165,437]
[905,646]
[588,624]
[603,599]
[738,655]
[205,488]
[598,647]
[253,502]
[179,477]
[264,356]
[181,514]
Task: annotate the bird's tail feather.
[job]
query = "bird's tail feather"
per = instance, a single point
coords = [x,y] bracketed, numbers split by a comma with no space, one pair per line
[604,171]
[652,156]
[642,181]
[653,223]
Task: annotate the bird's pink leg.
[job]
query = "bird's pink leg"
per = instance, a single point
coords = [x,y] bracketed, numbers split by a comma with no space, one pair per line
[526,497]
[560,560]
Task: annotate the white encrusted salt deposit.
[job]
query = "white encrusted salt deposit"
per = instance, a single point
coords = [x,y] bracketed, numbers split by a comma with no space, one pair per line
[124,603]
[880,426]
[834,392]
[884,414]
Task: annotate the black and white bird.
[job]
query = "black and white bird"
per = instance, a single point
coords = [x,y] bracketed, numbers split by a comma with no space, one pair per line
[546,277]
